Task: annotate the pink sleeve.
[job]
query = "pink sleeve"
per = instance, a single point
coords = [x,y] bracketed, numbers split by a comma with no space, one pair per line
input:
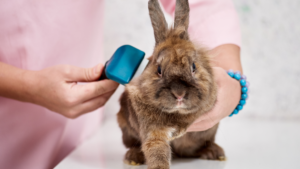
[212,22]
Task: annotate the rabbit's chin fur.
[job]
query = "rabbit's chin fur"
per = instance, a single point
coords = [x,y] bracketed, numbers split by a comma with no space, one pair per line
[176,87]
[181,110]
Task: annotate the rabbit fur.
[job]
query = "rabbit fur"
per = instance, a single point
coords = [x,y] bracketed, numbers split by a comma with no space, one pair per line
[176,87]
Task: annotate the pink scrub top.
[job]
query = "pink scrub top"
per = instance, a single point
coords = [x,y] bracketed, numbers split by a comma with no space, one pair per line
[36,34]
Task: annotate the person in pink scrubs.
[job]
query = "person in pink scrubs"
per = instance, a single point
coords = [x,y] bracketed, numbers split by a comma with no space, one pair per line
[47,47]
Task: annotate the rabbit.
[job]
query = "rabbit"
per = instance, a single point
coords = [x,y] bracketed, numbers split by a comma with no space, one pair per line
[176,87]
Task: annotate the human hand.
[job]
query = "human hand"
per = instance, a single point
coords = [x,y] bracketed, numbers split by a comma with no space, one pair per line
[228,96]
[56,88]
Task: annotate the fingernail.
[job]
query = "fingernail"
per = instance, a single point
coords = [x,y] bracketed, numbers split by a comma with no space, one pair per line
[97,69]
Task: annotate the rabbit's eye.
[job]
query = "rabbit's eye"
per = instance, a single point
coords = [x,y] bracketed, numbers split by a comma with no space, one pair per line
[194,67]
[159,70]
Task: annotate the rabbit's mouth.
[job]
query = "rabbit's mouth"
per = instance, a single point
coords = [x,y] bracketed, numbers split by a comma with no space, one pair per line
[180,104]
[180,107]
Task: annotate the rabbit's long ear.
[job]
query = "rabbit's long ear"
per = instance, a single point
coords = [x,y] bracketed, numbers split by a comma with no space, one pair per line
[158,20]
[182,11]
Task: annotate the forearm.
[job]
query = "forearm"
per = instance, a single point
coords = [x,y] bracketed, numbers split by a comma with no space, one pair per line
[226,56]
[14,82]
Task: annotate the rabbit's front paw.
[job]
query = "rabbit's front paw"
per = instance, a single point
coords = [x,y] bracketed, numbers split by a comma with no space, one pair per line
[134,156]
[212,152]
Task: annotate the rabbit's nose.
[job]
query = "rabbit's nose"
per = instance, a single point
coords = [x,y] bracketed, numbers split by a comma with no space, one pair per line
[179,96]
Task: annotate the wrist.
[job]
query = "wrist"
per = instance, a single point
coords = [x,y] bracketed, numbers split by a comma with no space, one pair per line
[29,81]
[244,90]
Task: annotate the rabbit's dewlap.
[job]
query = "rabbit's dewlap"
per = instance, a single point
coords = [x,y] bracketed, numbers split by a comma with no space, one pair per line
[174,90]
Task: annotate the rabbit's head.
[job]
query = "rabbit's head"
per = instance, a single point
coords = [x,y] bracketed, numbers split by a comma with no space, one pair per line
[178,78]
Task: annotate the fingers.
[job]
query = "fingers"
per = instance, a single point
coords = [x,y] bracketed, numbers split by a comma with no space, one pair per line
[201,126]
[91,105]
[203,123]
[77,74]
[95,89]
[209,119]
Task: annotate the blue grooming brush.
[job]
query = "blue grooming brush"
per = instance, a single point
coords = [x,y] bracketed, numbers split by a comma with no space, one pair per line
[127,62]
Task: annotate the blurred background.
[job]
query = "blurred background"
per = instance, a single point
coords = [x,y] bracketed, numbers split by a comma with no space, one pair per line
[270,51]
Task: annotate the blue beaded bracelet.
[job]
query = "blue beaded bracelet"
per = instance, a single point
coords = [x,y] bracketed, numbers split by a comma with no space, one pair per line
[244,93]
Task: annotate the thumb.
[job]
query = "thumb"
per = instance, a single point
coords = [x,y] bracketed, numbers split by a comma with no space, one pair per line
[86,74]
[200,126]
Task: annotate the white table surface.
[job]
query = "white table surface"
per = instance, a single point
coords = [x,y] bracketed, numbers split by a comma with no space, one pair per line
[248,144]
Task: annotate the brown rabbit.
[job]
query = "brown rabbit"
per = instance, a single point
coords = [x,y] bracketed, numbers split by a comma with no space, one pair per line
[176,87]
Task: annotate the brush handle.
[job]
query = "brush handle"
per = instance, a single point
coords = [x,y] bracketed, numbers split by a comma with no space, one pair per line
[103,74]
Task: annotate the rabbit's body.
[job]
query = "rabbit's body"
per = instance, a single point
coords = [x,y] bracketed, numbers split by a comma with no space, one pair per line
[174,90]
